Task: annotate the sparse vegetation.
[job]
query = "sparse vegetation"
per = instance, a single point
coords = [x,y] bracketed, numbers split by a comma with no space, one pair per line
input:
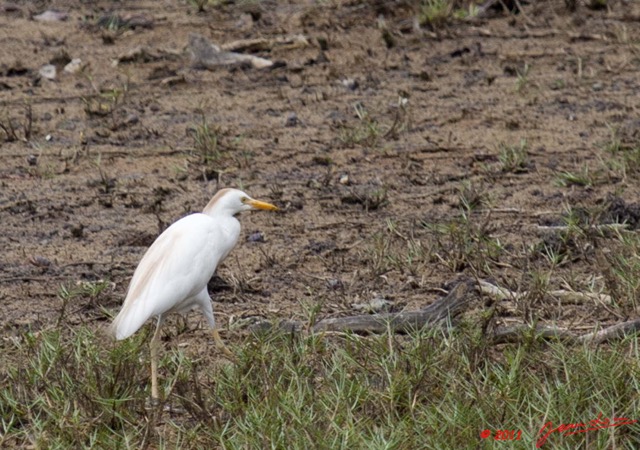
[620,267]
[391,250]
[522,82]
[367,132]
[17,129]
[466,241]
[106,183]
[435,12]
[584,177]
[425,389]
[514,158]
[624,157]
[501,150]
[212,155]
[206,140]
[105,103]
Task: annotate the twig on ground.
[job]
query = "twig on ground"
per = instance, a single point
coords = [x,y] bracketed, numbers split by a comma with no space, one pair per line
[500,293]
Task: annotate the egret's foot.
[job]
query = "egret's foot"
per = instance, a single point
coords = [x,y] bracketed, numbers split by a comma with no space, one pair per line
[152,403]
[221,346]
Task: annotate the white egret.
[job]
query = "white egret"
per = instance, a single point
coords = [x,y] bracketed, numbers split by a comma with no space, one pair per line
[173,274]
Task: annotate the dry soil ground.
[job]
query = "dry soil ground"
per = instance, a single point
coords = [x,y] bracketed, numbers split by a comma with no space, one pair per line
[401,156]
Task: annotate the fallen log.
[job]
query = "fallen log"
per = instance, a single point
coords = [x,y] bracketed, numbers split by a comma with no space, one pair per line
[444,312]
[452,305]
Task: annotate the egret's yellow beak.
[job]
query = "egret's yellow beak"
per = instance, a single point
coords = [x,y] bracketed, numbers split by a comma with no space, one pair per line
[257,204]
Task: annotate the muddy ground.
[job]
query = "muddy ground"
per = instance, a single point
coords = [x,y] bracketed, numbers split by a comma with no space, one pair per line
[386,146]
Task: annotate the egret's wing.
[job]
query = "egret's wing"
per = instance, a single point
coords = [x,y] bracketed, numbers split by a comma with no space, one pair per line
[177,266]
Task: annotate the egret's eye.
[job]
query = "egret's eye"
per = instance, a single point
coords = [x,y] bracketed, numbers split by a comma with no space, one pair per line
[244,199]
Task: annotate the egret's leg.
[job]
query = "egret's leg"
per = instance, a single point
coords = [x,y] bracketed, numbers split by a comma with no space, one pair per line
[154,344]
[205,303]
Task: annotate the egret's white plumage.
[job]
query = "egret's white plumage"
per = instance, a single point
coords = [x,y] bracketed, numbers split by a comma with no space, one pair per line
[173,274]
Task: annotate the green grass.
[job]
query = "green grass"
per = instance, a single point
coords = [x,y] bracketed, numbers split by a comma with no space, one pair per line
[438,13]
[622,158]
[369,131]
[366,132]
[585,177]
[466,241]
[426,390]
[435,13]
[514,158]
[206,139]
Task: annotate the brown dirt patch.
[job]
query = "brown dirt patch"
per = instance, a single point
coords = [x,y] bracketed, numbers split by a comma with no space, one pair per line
[322,135]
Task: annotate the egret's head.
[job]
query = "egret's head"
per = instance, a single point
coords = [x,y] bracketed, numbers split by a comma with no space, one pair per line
[234,201]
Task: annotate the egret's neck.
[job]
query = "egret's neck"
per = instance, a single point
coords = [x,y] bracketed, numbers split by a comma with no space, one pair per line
[218,207]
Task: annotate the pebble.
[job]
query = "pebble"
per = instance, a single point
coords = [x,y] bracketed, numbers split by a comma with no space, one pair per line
[256,236]
[51,16]
[292,120]
[48,71]
[375,305]
[132,119]
[74,66]
[350,84]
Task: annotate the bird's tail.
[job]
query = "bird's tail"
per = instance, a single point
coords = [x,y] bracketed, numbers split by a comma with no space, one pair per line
[121,328]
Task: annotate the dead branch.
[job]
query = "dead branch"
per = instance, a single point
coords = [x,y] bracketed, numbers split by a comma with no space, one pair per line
[205,55]
[262,44]
[519,333]
[616,331]
[457,301]
[603,226]
[446,310]
[500,293]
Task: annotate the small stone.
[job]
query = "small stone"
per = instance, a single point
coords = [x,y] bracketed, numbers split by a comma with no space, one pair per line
[350,84]
[39,261]
[256,236]
[74,66]
[597,86]
[132,119]
[344,179]
[32,160]
[48,138]
[48,71]
[375,305]
[292,120]
[51,16]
